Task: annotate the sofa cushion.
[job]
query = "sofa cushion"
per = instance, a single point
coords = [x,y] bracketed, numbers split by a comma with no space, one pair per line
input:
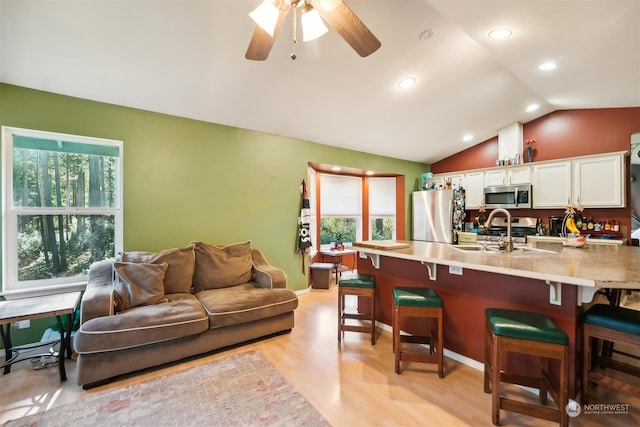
[219,267]
[181,264]
[245,303]
[138,284]
[182,315]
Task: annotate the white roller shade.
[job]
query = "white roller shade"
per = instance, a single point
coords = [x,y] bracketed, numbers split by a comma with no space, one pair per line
[340,195]
[382,196]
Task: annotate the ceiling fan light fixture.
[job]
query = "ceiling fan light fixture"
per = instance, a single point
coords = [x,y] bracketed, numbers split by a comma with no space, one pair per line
[266,16]
[312,25]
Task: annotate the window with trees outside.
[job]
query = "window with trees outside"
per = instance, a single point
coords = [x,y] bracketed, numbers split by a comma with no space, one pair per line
[340,208]
[341,201]
[382,208]
[62,209]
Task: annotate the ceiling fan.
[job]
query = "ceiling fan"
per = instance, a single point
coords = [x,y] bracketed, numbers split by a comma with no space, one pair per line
[334,12]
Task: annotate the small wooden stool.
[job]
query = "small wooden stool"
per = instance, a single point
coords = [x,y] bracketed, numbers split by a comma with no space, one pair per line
[424,303]
[617,325]
[361,285]
[527,333]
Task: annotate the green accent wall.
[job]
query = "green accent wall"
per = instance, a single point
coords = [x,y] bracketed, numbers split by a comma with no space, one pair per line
[188,180]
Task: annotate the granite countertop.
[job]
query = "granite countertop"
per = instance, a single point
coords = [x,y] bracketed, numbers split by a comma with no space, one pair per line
[594,266]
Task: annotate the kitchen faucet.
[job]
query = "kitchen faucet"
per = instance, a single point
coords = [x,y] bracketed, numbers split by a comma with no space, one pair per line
[508,245]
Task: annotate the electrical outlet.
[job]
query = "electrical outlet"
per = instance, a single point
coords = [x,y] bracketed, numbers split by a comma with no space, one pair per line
[453,269]
[362,255]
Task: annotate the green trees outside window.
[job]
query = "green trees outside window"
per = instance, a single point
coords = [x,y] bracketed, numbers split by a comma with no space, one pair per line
[62,207]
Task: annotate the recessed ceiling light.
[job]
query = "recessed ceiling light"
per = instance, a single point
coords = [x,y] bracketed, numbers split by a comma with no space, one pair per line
[532,107]
[547,66]
[426,34]
[500,33]
[407,82]
[467,137]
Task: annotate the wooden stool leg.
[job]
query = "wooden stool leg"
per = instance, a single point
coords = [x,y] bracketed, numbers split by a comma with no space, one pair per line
[373,318]
[495,379]
[396,338]
[487,361]
[586,340]
[544,371]
[340,310]
[440,346]
[564,388]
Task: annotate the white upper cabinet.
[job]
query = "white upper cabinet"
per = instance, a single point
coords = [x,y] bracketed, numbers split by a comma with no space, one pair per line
[456,179]
[599,181]
[551,184]
[595,181]
[508,176]
[474,190]
[591,181]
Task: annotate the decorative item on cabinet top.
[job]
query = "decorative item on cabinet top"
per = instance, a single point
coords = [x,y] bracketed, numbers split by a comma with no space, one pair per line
[530,144]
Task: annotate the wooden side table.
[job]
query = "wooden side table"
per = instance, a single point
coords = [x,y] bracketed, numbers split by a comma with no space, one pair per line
[337,256]
[57,305]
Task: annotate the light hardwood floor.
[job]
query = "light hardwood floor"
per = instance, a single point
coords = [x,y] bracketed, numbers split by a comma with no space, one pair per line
[352,384]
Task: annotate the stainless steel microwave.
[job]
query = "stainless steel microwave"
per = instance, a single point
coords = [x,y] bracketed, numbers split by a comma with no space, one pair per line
[508,196]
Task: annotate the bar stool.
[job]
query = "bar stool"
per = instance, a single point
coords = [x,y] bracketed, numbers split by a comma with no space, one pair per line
[361,285]
[424,303]
[617,325]
[527,333]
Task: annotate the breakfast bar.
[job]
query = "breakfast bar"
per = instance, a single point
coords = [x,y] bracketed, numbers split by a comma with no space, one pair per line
[542,277]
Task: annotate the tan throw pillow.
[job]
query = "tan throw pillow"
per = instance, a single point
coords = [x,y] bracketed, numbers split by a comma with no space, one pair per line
[181,264]
[138,284]
[221,267]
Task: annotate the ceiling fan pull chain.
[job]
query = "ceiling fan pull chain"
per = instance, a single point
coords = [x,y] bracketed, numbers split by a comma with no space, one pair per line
[295,40]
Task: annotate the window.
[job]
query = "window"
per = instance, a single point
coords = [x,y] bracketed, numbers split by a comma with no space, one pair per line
[62,209]
[340,208]
[382,208]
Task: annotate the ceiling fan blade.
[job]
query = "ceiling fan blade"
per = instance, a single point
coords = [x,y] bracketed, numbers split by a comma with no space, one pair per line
[261,42]
[348,25]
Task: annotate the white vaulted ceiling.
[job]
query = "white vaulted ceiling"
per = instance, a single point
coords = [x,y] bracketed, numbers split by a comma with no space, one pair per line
[186,58]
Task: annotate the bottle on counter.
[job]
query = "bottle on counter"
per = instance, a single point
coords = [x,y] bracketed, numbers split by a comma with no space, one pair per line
[590,224]
[607,225]
[616,226]
[579,222]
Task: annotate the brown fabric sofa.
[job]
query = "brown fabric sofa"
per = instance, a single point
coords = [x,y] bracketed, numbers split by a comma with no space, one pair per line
[146,309]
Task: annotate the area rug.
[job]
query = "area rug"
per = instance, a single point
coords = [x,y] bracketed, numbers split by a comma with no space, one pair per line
[241,390]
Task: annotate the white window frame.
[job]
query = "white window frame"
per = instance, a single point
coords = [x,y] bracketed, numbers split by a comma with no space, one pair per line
[11,287]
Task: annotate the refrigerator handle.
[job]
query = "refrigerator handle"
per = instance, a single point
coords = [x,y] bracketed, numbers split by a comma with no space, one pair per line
[516,197]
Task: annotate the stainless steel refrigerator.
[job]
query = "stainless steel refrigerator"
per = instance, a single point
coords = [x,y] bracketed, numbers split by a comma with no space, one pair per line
[436,214]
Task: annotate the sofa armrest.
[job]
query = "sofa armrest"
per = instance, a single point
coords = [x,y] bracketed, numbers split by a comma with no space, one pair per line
[97,300]
[266,275]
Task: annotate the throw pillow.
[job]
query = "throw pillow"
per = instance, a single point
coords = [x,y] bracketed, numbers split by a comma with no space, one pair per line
[138,284]
[221,267]
[181,264]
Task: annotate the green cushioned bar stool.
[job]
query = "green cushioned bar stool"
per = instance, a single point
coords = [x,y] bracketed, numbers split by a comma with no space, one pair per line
[360,285]
[526,333]
[423,303]
[617,325]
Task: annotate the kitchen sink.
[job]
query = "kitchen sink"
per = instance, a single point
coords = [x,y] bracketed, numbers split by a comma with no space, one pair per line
[494,249]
